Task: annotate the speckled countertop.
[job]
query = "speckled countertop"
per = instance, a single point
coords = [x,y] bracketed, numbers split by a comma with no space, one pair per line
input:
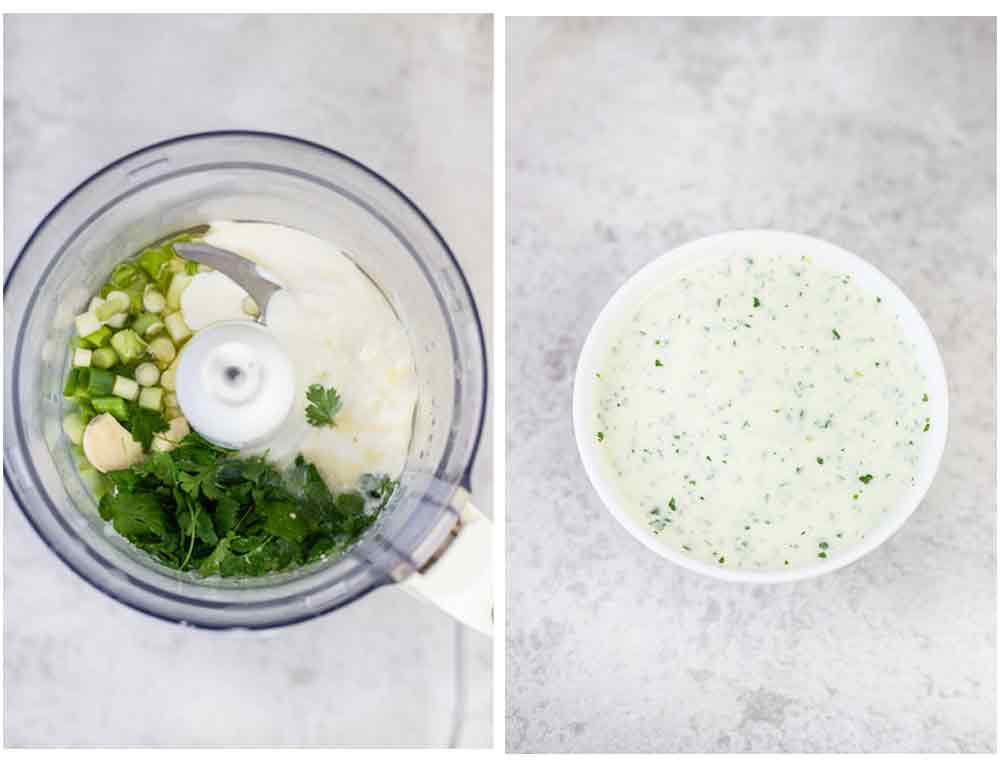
[409,96]
[627,138]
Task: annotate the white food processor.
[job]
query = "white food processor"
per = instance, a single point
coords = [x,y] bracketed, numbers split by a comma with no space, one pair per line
[234,383]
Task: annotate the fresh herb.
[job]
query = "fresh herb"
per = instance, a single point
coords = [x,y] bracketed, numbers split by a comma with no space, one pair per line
[927,425]
[819,461]
[324,404]
[866,478]
[672,504]
[824,545]
[658,362]
[836,334]
[600,436]
[198,507]
[820,554]
[925,397]
[143,423]
[756,302]
[722,559]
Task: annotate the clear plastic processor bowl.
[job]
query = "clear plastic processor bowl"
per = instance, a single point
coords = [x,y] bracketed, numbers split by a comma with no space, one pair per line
[248,176]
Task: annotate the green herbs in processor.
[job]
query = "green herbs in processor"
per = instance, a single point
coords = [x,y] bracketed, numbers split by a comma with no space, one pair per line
[199,507]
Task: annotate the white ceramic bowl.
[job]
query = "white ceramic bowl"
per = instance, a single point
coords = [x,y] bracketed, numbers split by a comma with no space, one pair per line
[737,245]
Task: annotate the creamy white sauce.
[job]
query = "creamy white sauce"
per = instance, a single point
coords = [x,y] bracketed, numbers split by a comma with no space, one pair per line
[338,330]
[742,406]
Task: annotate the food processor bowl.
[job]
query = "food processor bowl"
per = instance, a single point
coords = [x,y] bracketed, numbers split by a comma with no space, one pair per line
[241,176]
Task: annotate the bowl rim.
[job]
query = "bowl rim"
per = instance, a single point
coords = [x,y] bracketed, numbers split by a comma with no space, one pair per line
[752,241]
[12,481]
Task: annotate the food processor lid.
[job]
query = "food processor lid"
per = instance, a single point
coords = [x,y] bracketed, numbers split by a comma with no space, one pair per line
[235,384]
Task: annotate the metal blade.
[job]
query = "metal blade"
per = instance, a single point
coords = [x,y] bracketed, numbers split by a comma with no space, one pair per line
[240,270]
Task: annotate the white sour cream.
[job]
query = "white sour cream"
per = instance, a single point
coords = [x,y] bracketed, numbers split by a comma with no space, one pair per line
[760,413]
[338,330]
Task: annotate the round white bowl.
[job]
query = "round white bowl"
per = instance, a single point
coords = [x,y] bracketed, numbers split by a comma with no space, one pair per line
[737,245]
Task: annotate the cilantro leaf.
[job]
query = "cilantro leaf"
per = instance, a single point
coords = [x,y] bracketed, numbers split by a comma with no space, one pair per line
[324,404]
[144,423]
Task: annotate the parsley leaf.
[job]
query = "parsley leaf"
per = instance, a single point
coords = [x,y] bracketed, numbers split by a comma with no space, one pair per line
[324,404]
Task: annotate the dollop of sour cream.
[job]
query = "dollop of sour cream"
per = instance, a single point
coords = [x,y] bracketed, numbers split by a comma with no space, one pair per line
[339,330]
[760,412]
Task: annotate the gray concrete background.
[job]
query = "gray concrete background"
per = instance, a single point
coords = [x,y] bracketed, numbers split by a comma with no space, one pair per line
[410,97]
[627,138]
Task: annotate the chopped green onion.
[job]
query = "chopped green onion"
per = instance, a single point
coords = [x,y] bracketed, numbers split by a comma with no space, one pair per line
[126,388]
[99,338]
[112,404]
[152,300]
[73,425]
[82,357]
[102,382]
[117,302]
[105,358]
[144,323]
[153,260]
[163,350]
[87,323]
[123,275]
[147,374]
[176,327]
[96,482]
[128,346]
[72,382]
[178,283]
[169,378]
[151,398]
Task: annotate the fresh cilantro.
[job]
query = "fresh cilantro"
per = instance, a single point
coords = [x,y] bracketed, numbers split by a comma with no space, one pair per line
[324,404]
[756,302]
[200,507]
[866,478]
[658,362]
[143,423]
[600,436]
[836,334]
[672,504]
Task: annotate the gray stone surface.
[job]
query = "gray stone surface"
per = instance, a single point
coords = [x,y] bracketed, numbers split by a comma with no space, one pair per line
[627,138]
[411,97]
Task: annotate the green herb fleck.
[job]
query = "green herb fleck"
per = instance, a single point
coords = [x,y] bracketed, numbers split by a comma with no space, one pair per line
[722,559]
[925,397]
[821,554]
[659,363]
[866,478]
[685,547]
[756,302]
[600,436]
[824,545]
[819,461]
[324,404]
[927,425]
[672,504]
[836,334]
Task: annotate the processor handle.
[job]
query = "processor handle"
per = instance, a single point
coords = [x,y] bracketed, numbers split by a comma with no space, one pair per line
[459,578]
